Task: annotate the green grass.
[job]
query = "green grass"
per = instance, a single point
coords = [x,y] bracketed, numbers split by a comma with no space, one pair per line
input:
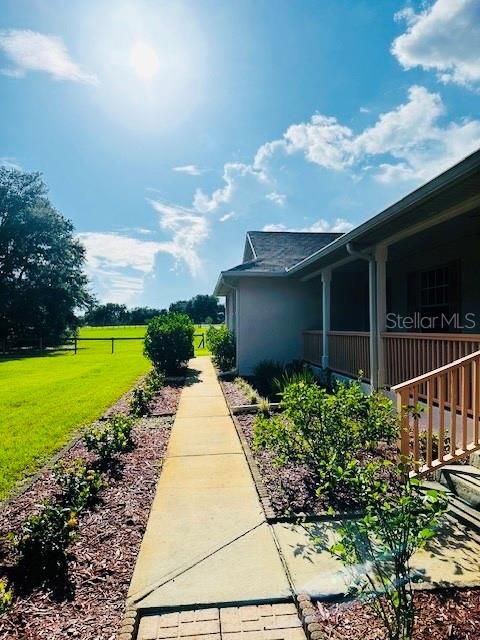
[44,399]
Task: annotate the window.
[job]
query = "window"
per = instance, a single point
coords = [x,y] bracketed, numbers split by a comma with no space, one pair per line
[434,288]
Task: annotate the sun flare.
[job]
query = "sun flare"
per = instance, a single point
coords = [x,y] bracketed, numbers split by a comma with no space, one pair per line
[144,60]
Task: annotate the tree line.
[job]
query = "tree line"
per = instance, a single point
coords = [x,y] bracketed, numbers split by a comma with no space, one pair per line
[201,309]
[44,290]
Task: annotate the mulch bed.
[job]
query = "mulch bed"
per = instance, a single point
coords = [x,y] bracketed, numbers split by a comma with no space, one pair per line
[452,614]
[102,558]
[291,486]
[235,397]
[164,403]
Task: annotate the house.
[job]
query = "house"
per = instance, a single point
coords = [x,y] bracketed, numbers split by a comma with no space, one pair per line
[397,298]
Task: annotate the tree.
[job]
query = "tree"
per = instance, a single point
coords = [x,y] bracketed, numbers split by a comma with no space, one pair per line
[107,314]
[42,279]
[202,308]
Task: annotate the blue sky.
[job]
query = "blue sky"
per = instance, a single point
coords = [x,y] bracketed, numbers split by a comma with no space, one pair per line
[165,130]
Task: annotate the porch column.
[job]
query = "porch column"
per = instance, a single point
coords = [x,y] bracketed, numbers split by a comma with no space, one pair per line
[372,295]
[381,253]
[326,282]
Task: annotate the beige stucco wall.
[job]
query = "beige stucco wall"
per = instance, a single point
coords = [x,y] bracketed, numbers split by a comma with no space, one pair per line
[272,314]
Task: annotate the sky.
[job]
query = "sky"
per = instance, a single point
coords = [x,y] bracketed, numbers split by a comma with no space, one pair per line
[167,129]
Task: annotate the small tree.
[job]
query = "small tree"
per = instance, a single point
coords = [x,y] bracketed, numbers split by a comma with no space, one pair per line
[398,520]
[169,341]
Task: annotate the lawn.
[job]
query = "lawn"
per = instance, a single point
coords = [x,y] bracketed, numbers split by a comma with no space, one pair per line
[44,399]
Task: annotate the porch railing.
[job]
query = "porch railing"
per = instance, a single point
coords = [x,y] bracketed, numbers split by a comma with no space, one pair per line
[440,414]
[348,352]
[408,355]
[313,346]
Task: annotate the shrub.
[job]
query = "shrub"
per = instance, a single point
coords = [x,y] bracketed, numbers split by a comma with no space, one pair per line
[265,373]
[143,395]
[169,341]
[221,343]
[6,596]
[110,440]
[290,376]
[79,484]
[44,538]
[398,520]
[326,431]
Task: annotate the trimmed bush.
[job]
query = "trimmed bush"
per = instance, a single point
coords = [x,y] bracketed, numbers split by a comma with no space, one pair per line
[79,484]
[169,341]
[221,343]
[110,440]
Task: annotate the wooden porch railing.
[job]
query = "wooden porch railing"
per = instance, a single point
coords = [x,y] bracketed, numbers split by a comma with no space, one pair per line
[408,355]
[447,428]
[313,346]
[348,352]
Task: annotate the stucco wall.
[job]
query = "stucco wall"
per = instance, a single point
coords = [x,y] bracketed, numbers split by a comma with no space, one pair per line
[272,314]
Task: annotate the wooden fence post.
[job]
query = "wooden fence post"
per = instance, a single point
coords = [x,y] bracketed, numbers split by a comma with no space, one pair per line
[113,345]
[75,342]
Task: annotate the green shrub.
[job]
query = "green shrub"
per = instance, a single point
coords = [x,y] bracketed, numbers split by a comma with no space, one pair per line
[6,596]
[80,485]
[221,343]
[398,520]
[290,376]
[265,374]
[144,394]
[169,341]
[44,538]
[326,431]
[110,440]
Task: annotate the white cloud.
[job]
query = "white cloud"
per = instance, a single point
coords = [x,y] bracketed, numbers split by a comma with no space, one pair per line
[339,225]
[118,264]
[416,145]
[227,216]
[232,172]
[189,229]
[9,163]
[189,169]
[444,38]
[277,198]
[31,51]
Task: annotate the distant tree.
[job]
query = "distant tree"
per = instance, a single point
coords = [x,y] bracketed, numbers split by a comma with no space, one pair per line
[142,315]
[178,307]
[107,314]
[42,279]
[201,308]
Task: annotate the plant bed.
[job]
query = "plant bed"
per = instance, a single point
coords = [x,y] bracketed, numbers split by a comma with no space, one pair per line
[164,403]
[235,397]
[452,614]
[290,488]
[100,559]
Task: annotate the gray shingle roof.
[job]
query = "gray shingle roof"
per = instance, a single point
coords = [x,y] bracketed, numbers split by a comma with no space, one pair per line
[276,251]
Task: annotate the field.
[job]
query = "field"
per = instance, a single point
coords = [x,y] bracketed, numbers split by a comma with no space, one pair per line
[44,399]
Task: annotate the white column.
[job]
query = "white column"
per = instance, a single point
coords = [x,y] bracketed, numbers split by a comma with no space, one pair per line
[326,282]
[381,255]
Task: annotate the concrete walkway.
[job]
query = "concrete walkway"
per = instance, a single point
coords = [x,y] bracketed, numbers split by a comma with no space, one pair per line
[207,541]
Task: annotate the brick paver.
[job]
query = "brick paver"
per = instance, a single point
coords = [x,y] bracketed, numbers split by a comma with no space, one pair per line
[252,622]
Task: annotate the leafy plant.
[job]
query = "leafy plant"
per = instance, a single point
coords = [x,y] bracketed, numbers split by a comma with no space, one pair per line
[44,538]
[265,374]
[6,596]
[143,395]
[292,375]
[326,431]
[221,343]
[169,341]
[80,484]
[110,440]
[398,520]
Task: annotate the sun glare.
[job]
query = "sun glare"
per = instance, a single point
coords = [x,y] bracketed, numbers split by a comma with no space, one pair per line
[144,60]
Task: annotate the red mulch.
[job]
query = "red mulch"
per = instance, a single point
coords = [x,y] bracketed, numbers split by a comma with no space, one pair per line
[103,556]
[452,614]
[234,395]
[164,403]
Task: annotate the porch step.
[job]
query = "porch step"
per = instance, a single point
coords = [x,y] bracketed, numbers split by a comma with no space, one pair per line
[475,459]
[458,509]
[463,481]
